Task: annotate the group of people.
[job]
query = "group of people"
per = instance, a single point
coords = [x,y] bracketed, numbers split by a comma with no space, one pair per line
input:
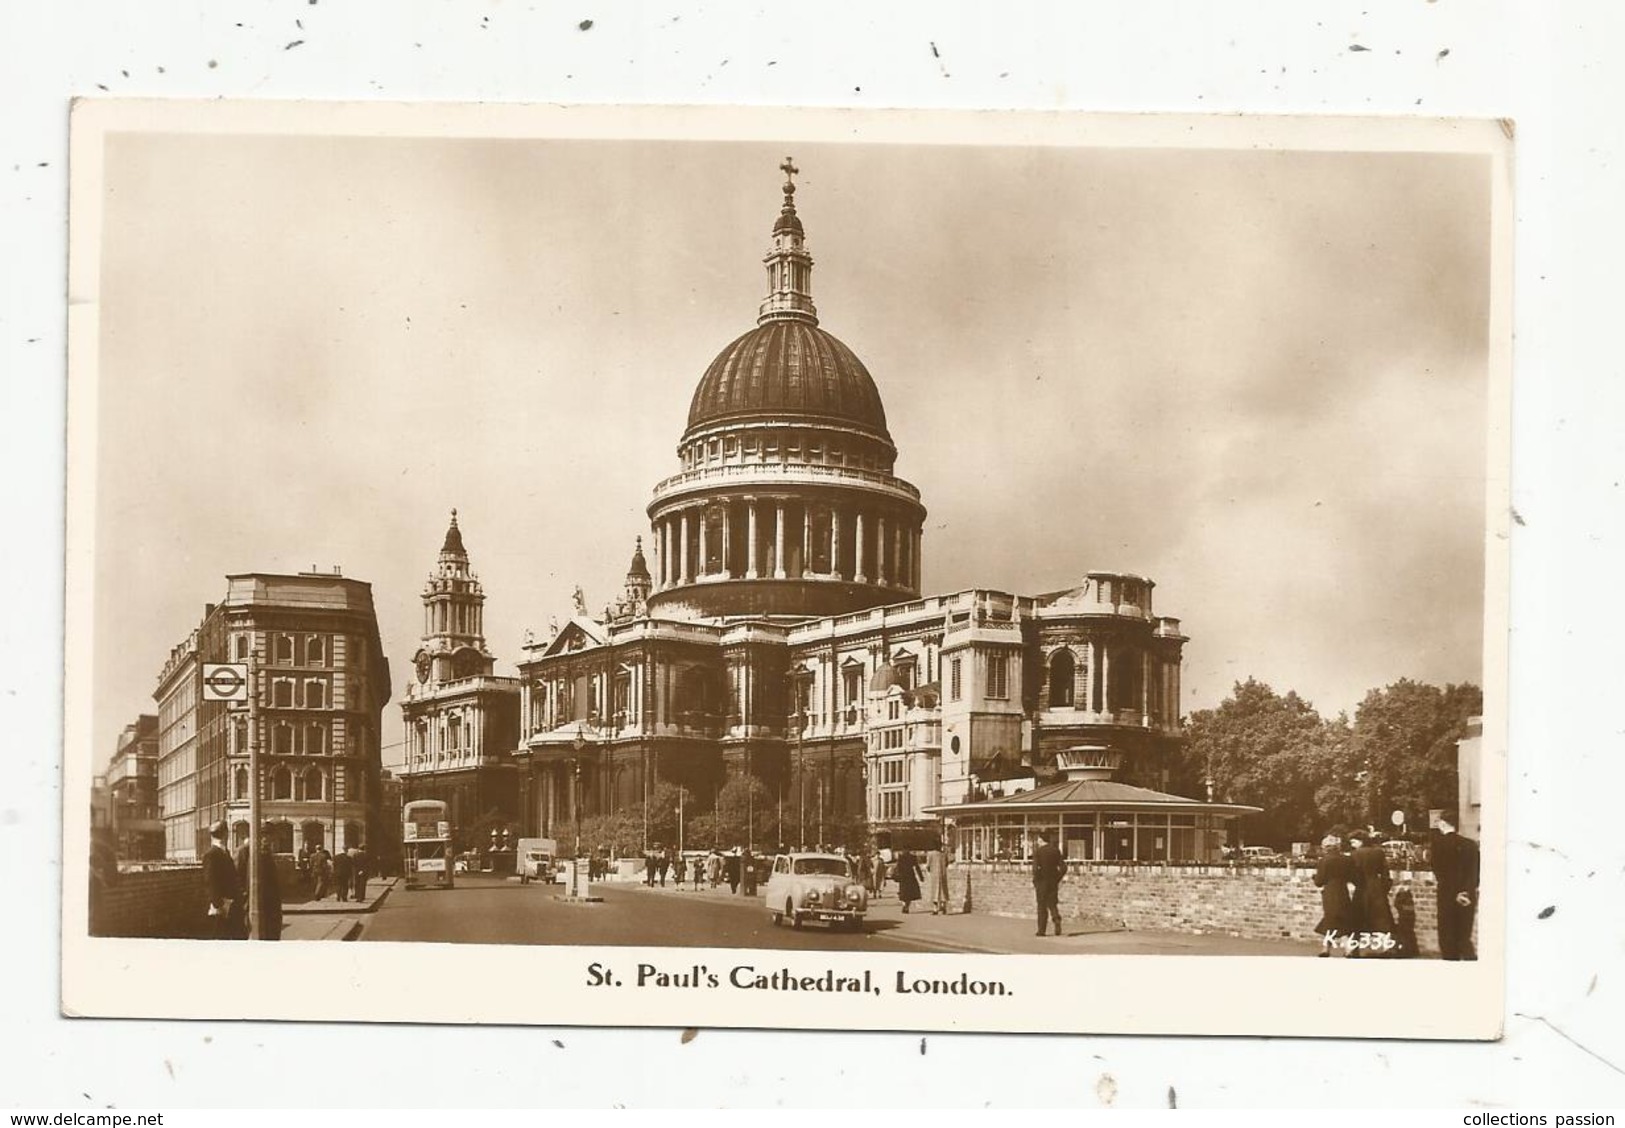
[226,883]
[905,868]
[1363,916]
[344,873]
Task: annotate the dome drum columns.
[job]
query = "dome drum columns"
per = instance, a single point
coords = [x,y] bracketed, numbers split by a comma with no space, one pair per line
[787,540]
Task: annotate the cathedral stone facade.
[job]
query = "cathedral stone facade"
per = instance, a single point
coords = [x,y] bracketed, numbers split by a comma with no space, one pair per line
[782,633]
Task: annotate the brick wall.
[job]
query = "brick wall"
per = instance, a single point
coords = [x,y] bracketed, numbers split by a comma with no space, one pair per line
[1256,904]
[167,903]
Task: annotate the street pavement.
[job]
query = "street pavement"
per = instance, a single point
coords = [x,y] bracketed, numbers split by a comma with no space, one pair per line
[488,910]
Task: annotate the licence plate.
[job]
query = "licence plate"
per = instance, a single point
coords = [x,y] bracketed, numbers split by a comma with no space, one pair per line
[832,916]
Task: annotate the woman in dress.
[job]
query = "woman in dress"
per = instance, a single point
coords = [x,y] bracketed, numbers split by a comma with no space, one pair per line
[1334,874]
[907,872]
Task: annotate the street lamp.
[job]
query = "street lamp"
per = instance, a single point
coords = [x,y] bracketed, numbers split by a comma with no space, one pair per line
[800,718]
[580,745]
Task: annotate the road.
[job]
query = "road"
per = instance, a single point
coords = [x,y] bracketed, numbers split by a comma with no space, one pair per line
[487,910]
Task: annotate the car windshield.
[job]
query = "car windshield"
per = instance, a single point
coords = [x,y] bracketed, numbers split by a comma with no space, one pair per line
[835,866]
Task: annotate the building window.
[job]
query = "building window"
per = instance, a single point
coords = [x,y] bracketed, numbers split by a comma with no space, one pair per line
[282,740]
[894,709]
[1062,669]
[239,736]
[241,644]
[453,733]
[281,783]
[998,675]
[316,651]
[239,784]
[311,785]
[315,695]
[956,684]
[891,804]
[284,648]
[852,685]
[282,693]
[316,740]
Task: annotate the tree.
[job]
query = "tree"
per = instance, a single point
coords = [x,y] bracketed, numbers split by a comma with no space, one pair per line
[746,815]
[1265,750]
[1404,741]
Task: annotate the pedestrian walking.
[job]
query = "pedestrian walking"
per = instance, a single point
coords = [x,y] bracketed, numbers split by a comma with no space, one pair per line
[1374,919]
[1048,870]
[1334,874]
[343,874]
[663,861]
[362,870]
[936,879]
[679,868]
[697,871]
[713,868]
[1455,870]
[730,870]
[907,872]
[877,875]
[747,874]
[221,887]
[321,873]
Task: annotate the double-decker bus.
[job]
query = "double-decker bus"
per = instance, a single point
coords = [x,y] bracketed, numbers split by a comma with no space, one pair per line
[426,834]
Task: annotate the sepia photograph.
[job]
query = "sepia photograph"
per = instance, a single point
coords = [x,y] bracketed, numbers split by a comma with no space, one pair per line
[721,562]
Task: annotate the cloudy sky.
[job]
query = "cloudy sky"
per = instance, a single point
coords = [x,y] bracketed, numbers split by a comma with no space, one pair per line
[1257,377]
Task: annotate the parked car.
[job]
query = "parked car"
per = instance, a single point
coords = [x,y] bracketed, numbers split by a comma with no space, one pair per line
[1263,854]
[802,887]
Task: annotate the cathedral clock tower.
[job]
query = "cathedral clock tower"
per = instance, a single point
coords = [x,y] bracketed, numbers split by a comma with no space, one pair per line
[453,618]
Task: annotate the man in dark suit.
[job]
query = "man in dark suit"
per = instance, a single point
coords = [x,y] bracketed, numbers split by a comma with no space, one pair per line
[1048,869]
[221,887]
[1455,869]
[269,905]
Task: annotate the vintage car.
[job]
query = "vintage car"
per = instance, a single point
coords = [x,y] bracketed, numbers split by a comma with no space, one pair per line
[823,887]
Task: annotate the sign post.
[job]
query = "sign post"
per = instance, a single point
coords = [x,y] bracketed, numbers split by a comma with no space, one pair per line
[229,682]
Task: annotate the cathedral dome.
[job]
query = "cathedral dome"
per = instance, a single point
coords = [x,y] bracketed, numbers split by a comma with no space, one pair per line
[788,368]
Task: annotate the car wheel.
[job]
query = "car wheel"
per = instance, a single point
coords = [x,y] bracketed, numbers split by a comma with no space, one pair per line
[777,917]
[795,917]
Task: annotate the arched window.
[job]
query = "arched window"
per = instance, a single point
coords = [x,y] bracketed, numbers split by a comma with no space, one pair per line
[281,833]
[242,648]
[239,736]
[239,784]
[282,693]
[281,783]
[315,740]
[1062,670]
[315,694]
[315,651]
[284,648]
[310,785]
[282,740]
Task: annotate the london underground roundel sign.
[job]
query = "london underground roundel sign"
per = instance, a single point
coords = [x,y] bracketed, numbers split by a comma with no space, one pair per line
[225,682]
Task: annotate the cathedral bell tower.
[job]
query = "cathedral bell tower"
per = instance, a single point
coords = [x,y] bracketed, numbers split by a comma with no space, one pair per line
[453,617]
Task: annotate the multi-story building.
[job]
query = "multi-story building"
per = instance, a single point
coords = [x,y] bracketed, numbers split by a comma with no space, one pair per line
[782,634]
[132,792]
[185,837]
[318,684]
[461,720]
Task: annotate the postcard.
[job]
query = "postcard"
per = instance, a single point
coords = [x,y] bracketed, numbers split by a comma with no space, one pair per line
[787,568]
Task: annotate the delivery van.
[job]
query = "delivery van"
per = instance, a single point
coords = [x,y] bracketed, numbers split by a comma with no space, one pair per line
[536,860]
